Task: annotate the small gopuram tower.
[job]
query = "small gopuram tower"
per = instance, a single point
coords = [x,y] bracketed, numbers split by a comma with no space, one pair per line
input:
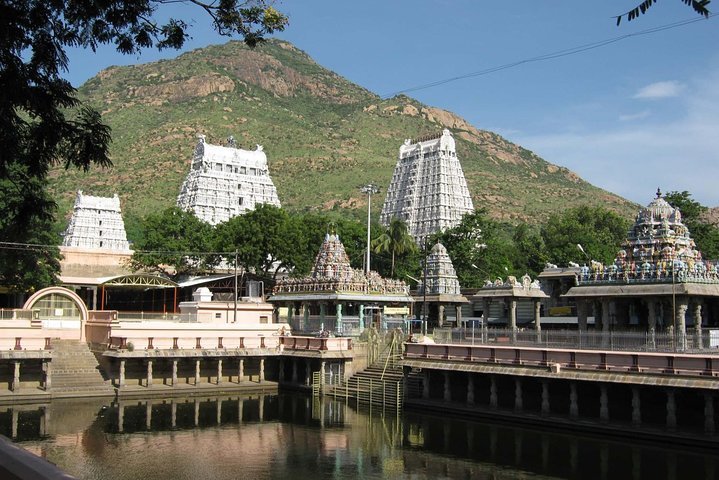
[442,288]
[658,281]
[226,181]
[337,297]
[428,189]
[96,223]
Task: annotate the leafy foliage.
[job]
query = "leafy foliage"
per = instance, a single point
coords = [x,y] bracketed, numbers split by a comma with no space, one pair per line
[174,243]
[700,7]
[599,231]
[395,240]
[42,122]
[705,235]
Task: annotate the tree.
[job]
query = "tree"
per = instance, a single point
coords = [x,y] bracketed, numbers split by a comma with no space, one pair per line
[395,240]
[479,248]
[700,7]
[705,235]
[529,254]
[267,240]
[599,231]
[174,243]
[42,123]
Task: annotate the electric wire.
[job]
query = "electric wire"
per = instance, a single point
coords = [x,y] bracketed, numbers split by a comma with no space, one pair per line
[549,56]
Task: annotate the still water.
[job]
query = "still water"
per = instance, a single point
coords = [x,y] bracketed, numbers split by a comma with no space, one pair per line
[294,436]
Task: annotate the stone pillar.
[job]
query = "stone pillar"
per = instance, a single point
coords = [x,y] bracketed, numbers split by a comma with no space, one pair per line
[458,315]
[294,370]
[240,410]
[174,372]
[241,370]
[148,414]
[671,410]
[573,405]
[545,397]
[262,407]
[518,403]
[149,373]
[16,379]
[218,413]
[603,403]
[636,407]
[537,320]
[308,372]
[513,319]
[485,318]
[681,331]
[338,317]
[698,341]
[323,366]
[197,412]
[447,390]
[219,370]
[173,414]
[262,370]
[470,389]
[440,315]
[290,312]
[652,324]
[15,419]
[425,384]
[305,316]
[47,374]
[709,424]
[45,421]
[197,372]
[492,392]
[582,315]
[323,313]
[120,417]
[605,322]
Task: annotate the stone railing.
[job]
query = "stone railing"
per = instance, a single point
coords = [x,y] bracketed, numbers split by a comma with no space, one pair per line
[186,342]
[316,343]
[331,285]
[650,273]
[559,359]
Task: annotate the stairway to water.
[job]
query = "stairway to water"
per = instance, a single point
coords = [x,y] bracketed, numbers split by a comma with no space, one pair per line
[75,372]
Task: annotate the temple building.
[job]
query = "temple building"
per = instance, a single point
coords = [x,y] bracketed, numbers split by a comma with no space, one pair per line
[442,289]
[428,189]
[96,223]
[336,297]
[226,181]
[658,281]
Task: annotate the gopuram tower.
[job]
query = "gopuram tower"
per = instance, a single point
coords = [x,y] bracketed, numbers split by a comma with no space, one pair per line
[96,223]
[428,189]
[226,181]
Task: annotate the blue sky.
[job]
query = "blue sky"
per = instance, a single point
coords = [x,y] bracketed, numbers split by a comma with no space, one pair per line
[630,116]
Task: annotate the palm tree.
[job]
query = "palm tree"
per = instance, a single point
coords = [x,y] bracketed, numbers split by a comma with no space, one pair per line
[395,240]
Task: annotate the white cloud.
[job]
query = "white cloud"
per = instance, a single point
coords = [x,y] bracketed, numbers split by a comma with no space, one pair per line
[667,89]
[629,117]
[632,160]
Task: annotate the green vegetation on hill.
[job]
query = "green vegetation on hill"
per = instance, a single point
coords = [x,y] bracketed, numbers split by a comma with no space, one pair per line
[323,135]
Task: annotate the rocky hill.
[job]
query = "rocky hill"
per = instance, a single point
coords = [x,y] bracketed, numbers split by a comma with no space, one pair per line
[323,136]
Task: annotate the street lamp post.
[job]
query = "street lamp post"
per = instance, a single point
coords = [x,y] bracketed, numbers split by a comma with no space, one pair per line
[369,189]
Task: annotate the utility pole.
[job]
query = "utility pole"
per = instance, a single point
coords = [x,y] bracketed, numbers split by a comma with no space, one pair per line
[235,312]
[369,189]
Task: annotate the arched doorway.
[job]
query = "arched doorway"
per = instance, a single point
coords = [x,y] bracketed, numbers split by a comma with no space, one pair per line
[59,309]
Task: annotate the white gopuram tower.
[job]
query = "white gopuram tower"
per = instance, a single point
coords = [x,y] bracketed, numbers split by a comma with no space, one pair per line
[428,190]
[225,182]
[96,223]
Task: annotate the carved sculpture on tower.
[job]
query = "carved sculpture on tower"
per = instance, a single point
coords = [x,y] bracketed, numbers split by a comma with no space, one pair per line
[96,223]
[428,189]
[226,181]
[441,276]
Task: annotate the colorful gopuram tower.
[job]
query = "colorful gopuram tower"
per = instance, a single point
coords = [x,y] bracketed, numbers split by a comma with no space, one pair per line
[428,189]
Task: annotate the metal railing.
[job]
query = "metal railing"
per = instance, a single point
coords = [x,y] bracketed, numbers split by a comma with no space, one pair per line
[694,340]
[367,390]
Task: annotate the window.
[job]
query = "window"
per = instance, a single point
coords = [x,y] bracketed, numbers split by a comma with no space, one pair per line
[218,315]
[241,201]
[263,319]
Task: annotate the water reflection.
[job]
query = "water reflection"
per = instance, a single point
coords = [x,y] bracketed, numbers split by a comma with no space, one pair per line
[292,435]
